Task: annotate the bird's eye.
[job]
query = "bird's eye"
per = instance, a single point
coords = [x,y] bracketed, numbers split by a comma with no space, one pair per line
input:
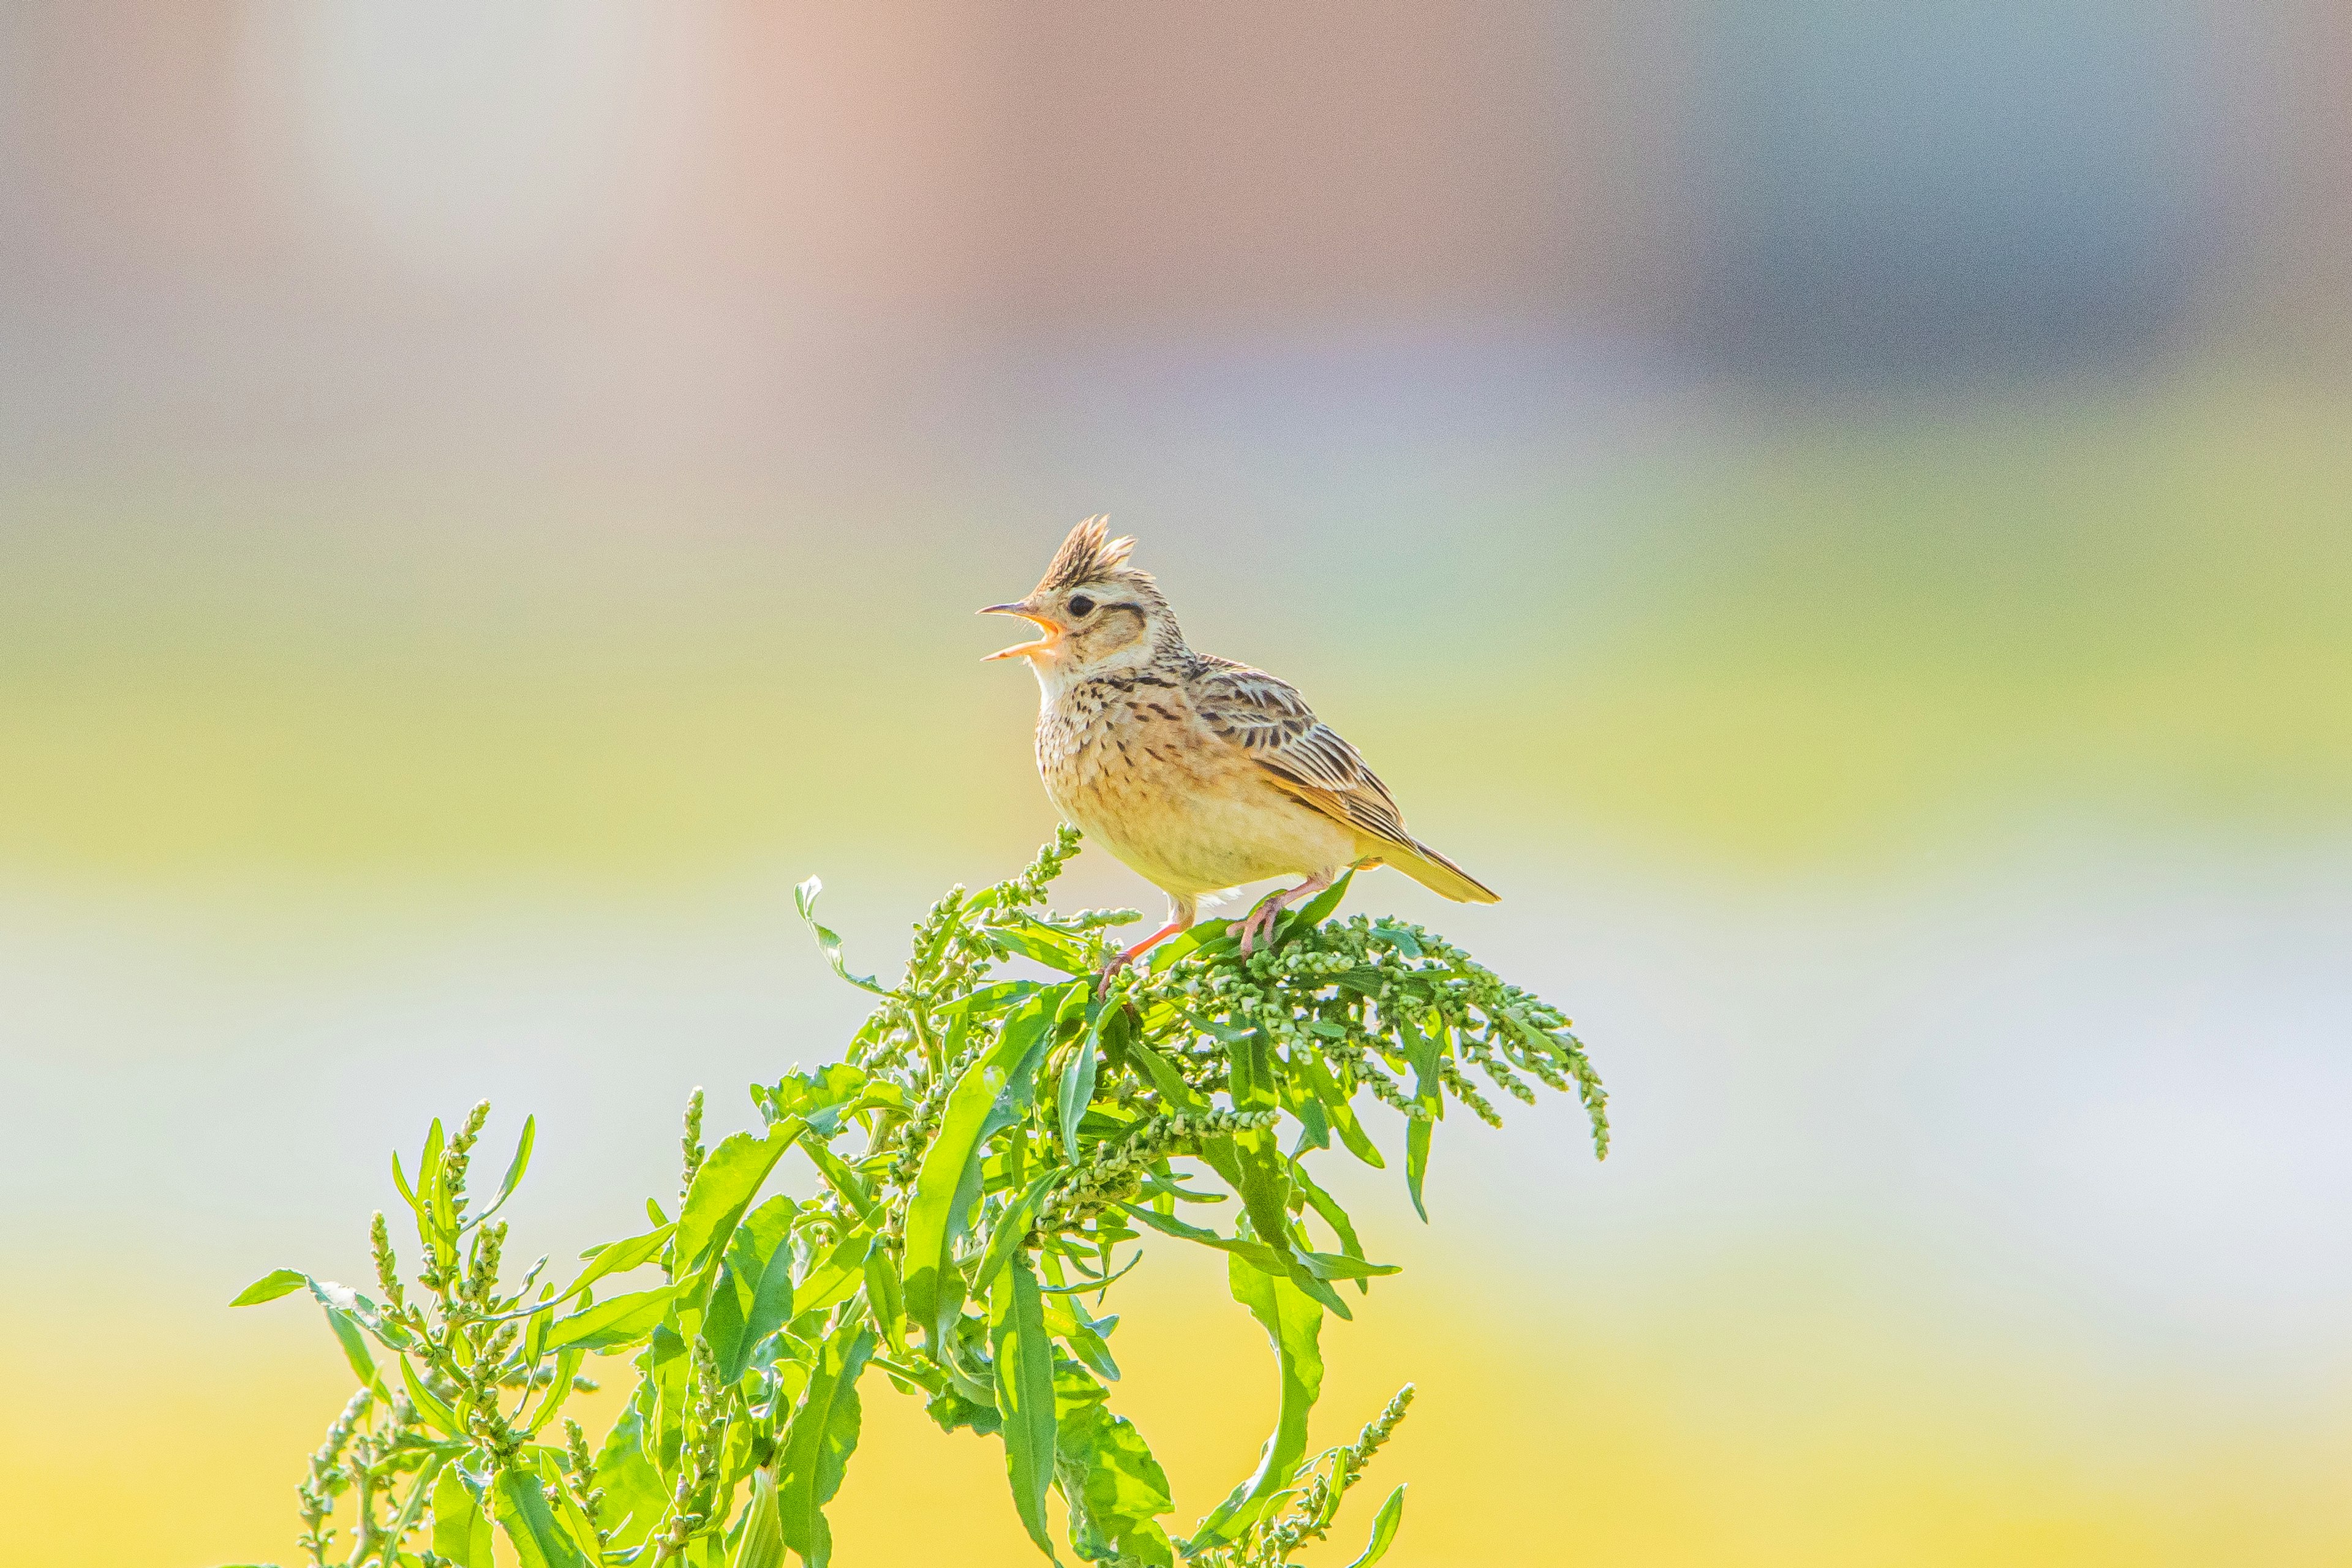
[1082,607]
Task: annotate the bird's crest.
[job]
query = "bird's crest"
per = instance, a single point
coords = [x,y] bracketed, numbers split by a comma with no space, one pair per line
[1088,556]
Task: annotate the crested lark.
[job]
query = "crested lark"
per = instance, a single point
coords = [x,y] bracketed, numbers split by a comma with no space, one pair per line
[1199,772]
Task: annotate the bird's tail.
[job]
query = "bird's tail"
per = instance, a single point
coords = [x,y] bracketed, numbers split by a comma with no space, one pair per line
[1436,873]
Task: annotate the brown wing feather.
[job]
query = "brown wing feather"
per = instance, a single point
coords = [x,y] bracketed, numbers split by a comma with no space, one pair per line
[1269,720]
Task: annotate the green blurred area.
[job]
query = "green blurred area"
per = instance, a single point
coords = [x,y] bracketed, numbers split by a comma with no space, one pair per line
[1835,632]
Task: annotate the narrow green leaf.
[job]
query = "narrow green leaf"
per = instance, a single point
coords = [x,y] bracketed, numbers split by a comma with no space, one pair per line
[1078,1093]
[515,1168]
[429,1404]
[817,1445]
[1013,1224]
[722,1322]
[399,1179]
[269,1287]
[1025,1392]
[886,1298]
[1262,1176]
[841,1180]
[522,1512]
[1166,1079]
[1328,1208]
[567,1367]
[1320,909]
[1293,1323]
[1421,1049]
[622,1320]
[355,1349]
[1384,1530]
[1416,1162]
[723,1188]
[990,1095]
[461,1530]
[619,1257]
[1049,948]
[829,943]
[1336,1105]
[432,1185]
[835,1277]
[574,1518]
[761,1544]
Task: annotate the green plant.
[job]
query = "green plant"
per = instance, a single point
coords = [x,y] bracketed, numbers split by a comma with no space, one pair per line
[1004,1138]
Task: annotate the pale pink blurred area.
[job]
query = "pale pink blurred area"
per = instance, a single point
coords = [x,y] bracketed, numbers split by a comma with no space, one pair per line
[1838,512]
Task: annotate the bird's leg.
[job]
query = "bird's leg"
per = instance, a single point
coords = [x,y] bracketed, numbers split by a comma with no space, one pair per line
[1180,917]
[1269,910]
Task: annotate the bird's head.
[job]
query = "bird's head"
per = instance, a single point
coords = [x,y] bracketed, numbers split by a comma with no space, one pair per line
[1095,614]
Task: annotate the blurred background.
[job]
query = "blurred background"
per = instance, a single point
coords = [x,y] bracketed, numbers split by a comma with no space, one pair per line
[1839,511]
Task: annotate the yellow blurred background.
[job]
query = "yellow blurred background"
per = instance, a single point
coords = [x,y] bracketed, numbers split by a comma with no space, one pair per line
[1844,515]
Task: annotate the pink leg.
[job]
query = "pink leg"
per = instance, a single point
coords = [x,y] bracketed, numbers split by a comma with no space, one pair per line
[1261,919]
[1179,919]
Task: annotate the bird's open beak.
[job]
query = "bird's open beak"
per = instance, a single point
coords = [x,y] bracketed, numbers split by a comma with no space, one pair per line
[1044,646]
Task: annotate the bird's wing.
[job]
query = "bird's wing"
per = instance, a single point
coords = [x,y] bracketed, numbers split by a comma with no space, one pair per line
[1273,726]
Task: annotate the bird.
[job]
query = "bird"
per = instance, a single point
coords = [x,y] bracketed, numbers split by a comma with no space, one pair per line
[1197,772]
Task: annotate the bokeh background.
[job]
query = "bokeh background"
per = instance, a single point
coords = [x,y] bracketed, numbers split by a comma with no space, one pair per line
[1840,512]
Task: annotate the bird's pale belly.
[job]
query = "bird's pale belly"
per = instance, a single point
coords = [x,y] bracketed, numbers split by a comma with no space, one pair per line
[1199,823]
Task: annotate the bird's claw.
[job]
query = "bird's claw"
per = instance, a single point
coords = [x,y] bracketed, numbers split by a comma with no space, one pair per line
[1261,920]
[1110,973]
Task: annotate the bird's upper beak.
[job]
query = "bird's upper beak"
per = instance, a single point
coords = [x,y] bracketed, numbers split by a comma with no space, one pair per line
[1044,646]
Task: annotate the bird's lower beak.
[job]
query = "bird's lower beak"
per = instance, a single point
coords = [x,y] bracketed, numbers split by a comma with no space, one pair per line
[1043,647]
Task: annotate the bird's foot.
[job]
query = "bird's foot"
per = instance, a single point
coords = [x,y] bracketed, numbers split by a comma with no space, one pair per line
[1261,919]
[1110,972]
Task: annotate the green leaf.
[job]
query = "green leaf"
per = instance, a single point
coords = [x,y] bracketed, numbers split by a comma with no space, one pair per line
[622,1320]
[818,1443]
[429,1404]
[1166,1079]
[539,1541]
[1025,1392]
[432,1184]
[1328,1207]
[835,1277]
[1416,1162]
[761,1544]
[515,1168]
[991,1094]
[400,1181]
[1013,1225]
[1422,1050]
[886,1298]
[1262,1176]
[1114,1488]
[1319,909]
[634,1495]
[1384,1530]
[746,1307]
[461,1530]
[723,1188]
[269,1287]
[619,1257]
[805,900]
[577,1525]
[1041,946]
[1293,1322]
[1078,1093]
[1337,1106]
